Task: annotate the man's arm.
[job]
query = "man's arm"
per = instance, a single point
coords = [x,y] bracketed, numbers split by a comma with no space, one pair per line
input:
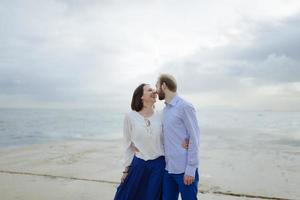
[191,123]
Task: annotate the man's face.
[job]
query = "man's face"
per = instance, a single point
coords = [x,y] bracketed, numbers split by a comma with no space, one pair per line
[160,92]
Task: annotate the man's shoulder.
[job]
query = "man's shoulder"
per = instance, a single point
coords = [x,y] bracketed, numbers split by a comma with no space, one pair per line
[184,104]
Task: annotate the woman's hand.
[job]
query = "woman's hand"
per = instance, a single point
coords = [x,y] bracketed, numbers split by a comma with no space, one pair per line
[135,150]
[125,173]
[124,177]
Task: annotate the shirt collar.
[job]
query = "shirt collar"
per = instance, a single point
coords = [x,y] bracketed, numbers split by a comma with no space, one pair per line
[174,100]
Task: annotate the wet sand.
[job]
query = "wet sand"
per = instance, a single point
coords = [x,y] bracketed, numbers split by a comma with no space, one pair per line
[91,169]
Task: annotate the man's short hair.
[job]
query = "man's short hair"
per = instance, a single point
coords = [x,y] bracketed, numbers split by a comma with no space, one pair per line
[169,80]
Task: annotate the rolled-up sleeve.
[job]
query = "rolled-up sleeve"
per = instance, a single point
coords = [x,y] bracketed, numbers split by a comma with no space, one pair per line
[127,142]
[191,123]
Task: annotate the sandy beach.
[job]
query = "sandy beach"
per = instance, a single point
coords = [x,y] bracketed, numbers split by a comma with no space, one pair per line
[86,169]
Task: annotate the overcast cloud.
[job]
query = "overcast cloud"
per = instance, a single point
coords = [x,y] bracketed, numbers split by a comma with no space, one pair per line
[225,55]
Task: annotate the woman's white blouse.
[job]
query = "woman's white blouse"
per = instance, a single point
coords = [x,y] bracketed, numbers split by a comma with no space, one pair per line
[147,139]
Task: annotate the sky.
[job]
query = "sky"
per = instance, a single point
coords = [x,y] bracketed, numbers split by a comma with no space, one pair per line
[225,55]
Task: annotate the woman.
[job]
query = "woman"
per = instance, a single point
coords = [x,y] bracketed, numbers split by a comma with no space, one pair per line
[144,152]
[144,160]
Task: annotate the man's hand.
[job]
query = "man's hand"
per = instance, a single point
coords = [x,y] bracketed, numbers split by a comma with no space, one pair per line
[188,180]
[185,144]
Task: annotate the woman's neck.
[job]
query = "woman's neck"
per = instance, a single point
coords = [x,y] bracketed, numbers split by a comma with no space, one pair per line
[147,110]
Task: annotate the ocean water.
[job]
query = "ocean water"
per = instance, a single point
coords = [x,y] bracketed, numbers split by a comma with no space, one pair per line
[282,128]
[254,153]
[20,127]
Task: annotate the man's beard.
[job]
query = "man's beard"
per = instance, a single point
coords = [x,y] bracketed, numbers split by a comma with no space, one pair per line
[161,95]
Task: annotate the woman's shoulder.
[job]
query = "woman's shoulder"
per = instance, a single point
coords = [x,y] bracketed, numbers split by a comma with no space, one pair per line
[131,114]
[135,115]
[158,113]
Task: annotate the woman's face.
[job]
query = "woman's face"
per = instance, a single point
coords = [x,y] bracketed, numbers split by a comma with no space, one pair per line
[149,94]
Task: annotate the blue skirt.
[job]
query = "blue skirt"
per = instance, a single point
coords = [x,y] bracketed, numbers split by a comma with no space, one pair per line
[144,180]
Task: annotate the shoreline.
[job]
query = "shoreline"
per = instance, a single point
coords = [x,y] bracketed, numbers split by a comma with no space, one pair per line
[218,193]
[84,162]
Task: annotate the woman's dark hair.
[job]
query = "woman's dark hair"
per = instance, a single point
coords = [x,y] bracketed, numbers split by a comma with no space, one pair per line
[136,102]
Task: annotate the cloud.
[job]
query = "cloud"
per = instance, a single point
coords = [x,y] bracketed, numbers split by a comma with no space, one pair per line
[241,69]
[270,56]
[89,52]
[50,52]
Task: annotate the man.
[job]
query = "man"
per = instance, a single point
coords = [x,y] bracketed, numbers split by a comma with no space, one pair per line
[179,124]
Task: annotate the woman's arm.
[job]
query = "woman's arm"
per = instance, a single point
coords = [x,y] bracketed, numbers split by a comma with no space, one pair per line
[127,142]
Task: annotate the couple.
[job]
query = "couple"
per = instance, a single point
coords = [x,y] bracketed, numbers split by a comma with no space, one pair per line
[161,151]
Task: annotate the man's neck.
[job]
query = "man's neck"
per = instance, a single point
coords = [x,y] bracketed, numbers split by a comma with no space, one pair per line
[170,96]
